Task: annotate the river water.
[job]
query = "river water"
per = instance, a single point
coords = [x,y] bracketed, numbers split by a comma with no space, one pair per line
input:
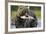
[38,23]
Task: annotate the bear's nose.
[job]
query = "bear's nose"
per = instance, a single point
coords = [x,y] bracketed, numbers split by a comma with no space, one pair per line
[26,15]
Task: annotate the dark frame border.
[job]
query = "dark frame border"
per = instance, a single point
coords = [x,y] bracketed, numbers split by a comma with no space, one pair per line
[6,17]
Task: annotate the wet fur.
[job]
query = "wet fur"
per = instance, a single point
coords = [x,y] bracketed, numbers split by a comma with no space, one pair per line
[25,23]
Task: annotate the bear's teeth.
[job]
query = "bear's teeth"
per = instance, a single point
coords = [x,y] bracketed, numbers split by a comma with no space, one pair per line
[23,17]
[29,17]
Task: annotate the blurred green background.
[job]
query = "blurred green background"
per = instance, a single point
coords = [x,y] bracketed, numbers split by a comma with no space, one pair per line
[37,11]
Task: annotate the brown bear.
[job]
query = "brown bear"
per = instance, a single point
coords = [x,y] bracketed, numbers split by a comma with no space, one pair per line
[25,18]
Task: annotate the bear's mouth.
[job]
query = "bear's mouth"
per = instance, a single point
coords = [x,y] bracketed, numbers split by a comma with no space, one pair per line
[27,17]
